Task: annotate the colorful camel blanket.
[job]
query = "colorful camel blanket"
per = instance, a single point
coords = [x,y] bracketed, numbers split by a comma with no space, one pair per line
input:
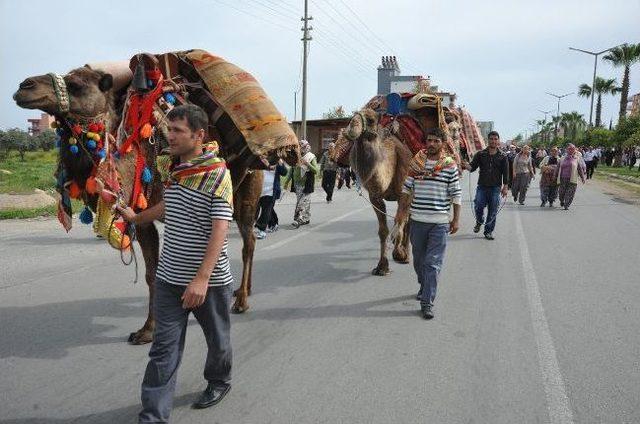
[472,136]
[240,95]
[206,173]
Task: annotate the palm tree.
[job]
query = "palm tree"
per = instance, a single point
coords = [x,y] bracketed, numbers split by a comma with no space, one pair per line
[603,86]
[572,123]
[624,56]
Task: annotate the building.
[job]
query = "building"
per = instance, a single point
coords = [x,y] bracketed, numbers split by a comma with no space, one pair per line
[321,132]
[634,105]
[485,128]
[390,80]
[39,125]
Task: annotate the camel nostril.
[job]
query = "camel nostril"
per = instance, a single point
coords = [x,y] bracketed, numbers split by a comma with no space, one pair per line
[27,84]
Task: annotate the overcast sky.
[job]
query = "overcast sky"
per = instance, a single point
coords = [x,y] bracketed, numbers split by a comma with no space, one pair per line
[498,56]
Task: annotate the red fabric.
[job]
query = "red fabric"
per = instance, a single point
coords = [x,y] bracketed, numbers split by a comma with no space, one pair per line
[411,133]
[139,113]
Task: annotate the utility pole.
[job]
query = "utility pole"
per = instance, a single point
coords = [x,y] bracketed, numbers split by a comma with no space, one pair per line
[559,97]
[595,66]
[305,40]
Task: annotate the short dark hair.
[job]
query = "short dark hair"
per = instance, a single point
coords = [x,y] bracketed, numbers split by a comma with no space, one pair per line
[434,132]
[196,117]
[493,133]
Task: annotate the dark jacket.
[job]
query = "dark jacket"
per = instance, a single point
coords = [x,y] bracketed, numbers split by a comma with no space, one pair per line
[494,169]
[281,171]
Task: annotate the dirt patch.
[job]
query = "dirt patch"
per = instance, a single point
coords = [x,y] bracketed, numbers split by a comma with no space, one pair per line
[620,191]
[38,199]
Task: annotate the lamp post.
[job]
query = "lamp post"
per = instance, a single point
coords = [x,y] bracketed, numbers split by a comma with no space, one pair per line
[595,66]
[559,97]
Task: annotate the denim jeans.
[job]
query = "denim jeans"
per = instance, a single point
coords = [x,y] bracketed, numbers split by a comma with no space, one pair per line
[428,244]
[487,197]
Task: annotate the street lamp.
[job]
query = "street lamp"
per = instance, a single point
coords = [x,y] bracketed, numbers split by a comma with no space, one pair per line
[559,97]
[545,113]
[595,65]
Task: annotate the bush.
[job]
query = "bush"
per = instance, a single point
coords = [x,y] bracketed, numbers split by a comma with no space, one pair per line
[599,137]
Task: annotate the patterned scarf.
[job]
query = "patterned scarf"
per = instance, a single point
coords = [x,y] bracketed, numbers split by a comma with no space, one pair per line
[206,173]
[419,170]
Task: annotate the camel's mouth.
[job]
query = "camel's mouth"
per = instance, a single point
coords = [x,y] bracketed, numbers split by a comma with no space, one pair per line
[28,102]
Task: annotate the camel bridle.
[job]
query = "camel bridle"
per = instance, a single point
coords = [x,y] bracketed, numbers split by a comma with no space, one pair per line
[62,94]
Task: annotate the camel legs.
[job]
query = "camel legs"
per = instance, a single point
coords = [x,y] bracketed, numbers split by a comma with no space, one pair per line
[383,231]
[245,206]
[150,246]
[401,247]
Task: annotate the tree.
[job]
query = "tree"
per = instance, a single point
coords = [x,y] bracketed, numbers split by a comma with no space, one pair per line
[16,139]
[573,124]
[625,130]
[336,112]
[624,56]
[603,86]
[599,137]
[45,140]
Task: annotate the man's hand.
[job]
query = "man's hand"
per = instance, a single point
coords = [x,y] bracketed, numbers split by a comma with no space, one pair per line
[504,191]
[127,213]
[195,293]
[454,226]
[465,165]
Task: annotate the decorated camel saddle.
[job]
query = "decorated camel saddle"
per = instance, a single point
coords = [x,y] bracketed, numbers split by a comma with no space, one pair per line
[250,132]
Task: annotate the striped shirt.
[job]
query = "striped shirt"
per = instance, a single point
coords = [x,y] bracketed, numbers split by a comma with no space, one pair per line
[188,216]
[433,195]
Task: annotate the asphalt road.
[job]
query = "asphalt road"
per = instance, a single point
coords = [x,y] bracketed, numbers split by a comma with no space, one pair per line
[538,326]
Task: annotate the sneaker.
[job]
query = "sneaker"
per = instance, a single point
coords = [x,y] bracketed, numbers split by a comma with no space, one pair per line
[305,222]
[295,224]
[489,236]
[427,311]
[272,229]
[476,229]
[261,235]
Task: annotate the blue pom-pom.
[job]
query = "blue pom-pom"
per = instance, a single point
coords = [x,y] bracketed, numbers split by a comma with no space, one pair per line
[102,154]
[86,217]
[59,131]
[74,149]
[146,175]
[170,98]
[91,144]
[116,155]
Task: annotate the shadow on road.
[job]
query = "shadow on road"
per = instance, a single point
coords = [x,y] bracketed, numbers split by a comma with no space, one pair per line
[49,330]
[121,415]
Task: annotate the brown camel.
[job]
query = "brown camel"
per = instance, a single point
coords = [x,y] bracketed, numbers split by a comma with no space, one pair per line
[381,162]
[93,95]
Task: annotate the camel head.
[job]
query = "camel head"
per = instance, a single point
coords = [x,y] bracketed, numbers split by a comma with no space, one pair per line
[363,125]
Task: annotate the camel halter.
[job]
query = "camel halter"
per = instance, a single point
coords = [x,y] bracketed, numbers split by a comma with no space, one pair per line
[364,127]
[62,95]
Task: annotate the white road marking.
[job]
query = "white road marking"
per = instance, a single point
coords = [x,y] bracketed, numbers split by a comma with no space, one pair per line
[557,400]
[310,230]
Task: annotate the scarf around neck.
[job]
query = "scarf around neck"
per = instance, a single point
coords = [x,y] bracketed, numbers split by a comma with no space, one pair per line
[206,173]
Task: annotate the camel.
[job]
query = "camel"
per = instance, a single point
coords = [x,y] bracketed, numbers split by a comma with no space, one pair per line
[95,94]
[381,162]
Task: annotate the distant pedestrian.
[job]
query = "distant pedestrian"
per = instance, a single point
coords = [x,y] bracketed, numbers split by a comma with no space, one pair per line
[571,167]
[588,157]
[329,169]
[522,174]
[303,179]
[493,175]
[511,154]
[427,197]
[548,182]
[268,199]
[345,175]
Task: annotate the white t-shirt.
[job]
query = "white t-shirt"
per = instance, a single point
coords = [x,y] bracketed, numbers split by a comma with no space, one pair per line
[588,156]
[267,185]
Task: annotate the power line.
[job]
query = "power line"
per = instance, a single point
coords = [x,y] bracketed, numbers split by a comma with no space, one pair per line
[255,16]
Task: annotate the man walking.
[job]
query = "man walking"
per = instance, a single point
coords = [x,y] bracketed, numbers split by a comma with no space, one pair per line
[427,197]
[193,271]
[493,174]
[328,169]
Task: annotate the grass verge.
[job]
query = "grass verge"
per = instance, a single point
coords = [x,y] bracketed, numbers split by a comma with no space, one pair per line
[36,171]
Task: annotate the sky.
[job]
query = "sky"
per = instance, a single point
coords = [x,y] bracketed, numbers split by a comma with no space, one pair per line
[500,57]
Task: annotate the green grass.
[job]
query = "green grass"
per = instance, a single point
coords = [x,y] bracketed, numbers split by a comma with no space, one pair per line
[623,170]
[51,210]
[35,172]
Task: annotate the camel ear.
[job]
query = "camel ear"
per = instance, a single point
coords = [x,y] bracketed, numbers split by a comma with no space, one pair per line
[106,82]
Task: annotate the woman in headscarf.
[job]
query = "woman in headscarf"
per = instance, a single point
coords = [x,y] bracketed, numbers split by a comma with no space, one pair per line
[329,169]
[571,167]
[548,183]
[303,179]
[522,174]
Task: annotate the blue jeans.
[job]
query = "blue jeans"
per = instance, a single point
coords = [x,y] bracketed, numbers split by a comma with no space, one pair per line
[487,196]
[428,243]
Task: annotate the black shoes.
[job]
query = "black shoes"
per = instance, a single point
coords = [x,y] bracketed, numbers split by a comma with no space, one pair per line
[476,229]
[488,236]
[543,204]
[427,311]
[212,395]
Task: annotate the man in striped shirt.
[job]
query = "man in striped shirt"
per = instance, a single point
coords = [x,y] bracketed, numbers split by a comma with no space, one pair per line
[427,197]
[193,272]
